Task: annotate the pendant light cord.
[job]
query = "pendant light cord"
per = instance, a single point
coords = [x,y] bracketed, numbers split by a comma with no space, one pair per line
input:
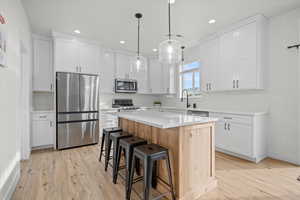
[138,16]
[138,50]
[169,11]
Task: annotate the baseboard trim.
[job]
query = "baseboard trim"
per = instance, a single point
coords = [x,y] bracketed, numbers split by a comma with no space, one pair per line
[10,178]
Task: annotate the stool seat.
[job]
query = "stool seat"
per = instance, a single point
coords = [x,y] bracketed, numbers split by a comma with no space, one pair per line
[150,150]
[131,141]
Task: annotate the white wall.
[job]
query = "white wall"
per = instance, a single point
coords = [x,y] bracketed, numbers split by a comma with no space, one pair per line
[10,79]
[280,98]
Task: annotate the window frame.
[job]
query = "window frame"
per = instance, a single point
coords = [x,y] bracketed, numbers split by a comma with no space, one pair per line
[196,91]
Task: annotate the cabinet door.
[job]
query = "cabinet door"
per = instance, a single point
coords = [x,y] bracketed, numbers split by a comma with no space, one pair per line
[89,58]
[107,72]
[66,55]
[123,66]
[241,138]
[246,66]
[43,69]
[209,65]
[42,133]
[222,135]
[169,78]
[156,77]
[228,56]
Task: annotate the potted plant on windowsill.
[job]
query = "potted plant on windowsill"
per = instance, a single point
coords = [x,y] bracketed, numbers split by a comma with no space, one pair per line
[157,104]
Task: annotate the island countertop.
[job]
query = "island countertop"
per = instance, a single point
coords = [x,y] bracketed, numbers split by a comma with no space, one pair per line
[165,119]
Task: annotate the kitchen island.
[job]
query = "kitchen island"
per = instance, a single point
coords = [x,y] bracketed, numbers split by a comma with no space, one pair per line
[190,140]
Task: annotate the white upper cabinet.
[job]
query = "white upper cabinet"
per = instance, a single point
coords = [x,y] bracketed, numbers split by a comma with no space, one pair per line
[89,58]
[156,77]
[169,78]
[43,67]
[73,56]
[123,66]
[107,71]
[66,55]
[209,64]
[242,56]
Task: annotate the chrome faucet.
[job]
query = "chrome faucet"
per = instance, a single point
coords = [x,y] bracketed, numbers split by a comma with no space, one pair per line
[187,97]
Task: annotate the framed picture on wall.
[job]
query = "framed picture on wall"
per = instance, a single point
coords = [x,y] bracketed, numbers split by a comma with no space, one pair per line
[3,43]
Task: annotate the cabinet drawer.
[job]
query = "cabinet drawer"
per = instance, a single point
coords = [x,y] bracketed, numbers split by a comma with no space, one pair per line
[232,118]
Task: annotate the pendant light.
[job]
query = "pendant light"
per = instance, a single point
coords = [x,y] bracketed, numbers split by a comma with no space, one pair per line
[170,49]
[139,60]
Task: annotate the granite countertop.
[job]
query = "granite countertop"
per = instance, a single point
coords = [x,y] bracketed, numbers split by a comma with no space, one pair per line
[165,119]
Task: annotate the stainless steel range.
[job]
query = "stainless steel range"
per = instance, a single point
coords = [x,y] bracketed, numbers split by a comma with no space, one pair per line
[124,105]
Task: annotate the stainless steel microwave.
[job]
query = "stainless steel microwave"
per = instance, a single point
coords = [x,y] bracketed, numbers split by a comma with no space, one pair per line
[125,86]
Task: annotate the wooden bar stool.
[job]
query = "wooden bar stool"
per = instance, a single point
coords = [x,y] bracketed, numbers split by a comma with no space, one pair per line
[127,145]
[148,154]
[105,136]
[114,139]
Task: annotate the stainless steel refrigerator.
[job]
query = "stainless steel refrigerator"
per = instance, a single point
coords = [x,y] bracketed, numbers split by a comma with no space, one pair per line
[77,109]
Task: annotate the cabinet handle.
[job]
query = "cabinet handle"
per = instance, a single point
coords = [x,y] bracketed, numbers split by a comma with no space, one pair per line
[233,83]
[237,83]
[44,116]
[228,126]
[210,86]
[51,86]
[51,123]
[225,126]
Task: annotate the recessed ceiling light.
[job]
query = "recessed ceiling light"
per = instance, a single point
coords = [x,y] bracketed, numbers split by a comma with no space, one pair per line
[77,31]
[212,21]
[155,50]
[172,1]
[122,42]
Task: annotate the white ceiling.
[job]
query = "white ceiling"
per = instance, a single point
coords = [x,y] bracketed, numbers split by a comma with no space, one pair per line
[109,21]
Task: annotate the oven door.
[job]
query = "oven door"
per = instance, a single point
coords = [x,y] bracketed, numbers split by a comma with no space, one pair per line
[125,86]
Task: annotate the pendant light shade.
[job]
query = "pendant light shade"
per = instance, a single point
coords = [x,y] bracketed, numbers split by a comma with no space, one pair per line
[170,49]
[170,52]
[139,61]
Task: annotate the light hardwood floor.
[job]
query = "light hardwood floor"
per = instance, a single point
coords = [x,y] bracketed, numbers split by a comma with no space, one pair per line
[76,174]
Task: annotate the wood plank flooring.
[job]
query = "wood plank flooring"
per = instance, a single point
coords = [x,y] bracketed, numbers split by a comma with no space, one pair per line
[76,174]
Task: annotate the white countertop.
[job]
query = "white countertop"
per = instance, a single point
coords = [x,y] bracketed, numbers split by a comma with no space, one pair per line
[165,119]
[249,113]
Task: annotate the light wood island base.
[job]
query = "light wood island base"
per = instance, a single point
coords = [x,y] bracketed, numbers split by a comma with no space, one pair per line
[192,155]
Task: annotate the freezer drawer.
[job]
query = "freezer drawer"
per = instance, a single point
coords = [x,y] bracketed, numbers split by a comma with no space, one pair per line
[77,134]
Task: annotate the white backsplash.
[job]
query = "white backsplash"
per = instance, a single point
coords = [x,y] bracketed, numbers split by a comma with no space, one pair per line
[42,101]
[138,99]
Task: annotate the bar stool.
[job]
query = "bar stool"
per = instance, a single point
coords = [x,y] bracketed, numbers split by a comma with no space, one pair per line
[127,145]
[115,139]
[148,154]
[105,136]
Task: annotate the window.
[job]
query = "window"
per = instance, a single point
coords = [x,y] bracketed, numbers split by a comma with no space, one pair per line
[190,78]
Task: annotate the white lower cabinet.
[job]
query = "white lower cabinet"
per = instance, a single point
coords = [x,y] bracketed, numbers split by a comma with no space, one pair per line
[43,130]
[242,136]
